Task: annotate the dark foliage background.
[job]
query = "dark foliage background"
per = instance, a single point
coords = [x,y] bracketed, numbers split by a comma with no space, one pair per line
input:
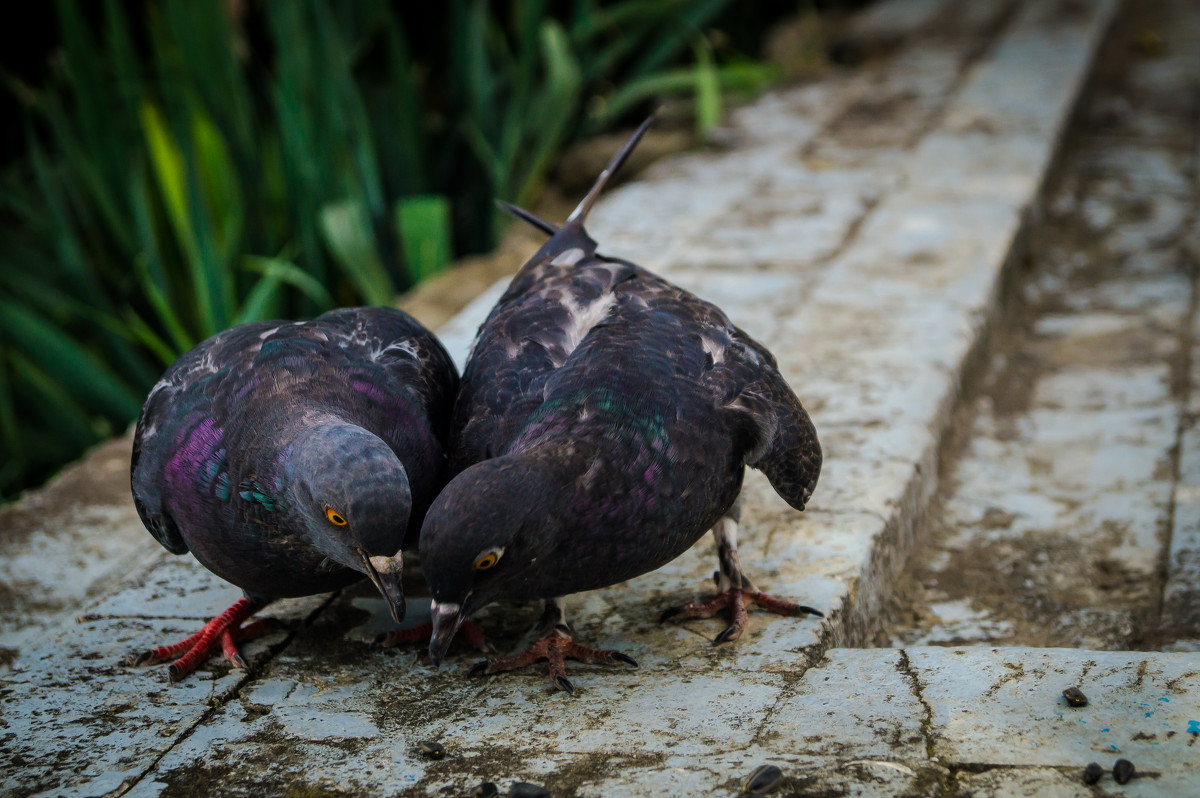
[175,167]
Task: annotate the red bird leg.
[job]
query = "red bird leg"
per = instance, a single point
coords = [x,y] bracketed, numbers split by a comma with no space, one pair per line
[224,631]
[230,650]
[556,645]
[422,633]
[734,589]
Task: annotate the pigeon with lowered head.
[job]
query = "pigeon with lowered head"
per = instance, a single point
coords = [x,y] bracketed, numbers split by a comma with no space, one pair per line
[604,423]
[293,458]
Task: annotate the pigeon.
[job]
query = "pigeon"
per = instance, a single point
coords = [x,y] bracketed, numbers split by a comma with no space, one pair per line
[603,425]
[293,458]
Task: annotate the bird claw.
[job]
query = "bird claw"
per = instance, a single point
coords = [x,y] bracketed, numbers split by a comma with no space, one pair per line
[138,658]
[735,600]
[731,632]
[556,646]
[223,632]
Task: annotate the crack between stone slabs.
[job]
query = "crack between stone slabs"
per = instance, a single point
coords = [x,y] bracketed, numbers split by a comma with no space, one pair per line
[791,680]
[906,669]
[217,703]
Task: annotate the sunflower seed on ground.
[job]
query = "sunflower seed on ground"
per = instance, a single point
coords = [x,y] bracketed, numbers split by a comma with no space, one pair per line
[432,749]
[1123,771]
[1092,773]
[1075,697]
[764,779]
[523,789]
[485,790]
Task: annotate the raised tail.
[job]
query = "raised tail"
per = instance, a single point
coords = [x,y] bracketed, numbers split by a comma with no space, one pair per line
[577,217]
[584,207]
[527,217]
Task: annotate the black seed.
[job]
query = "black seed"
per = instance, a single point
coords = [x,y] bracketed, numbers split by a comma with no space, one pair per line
[764,779]
[1123,771]
[485,790]
[523,789]
[433,750]
[1092,773]
[1075,697]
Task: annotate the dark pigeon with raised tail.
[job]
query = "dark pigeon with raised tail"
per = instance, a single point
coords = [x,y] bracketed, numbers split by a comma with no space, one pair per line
[604,423]
[294,458]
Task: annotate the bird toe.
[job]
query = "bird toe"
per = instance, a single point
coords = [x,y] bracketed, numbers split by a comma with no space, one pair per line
[138,658]
[731,632]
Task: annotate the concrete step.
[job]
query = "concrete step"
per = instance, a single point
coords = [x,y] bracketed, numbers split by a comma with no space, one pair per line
[1066,514]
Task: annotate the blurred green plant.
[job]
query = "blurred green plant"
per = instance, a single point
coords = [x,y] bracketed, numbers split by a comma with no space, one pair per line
[188,170]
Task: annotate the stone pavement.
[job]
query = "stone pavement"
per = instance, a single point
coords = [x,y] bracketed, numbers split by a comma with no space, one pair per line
[865,227]
[1069,517]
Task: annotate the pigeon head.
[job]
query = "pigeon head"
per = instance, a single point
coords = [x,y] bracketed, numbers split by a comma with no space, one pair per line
[351,495]
[488,536]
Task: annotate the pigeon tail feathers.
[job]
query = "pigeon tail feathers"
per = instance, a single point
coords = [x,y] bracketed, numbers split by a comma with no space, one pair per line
[532,220]
[579,215]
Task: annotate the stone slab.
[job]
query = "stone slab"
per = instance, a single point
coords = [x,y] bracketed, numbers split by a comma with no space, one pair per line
[1004,706]
[66,544]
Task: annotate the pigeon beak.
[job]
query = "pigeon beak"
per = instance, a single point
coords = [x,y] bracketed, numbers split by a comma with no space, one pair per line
[384,573]
[446,620]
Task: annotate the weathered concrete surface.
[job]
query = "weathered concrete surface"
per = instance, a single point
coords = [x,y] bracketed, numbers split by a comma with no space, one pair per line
[1004,706]
[66,544]
[863,722]
[871,267]
[1069,514]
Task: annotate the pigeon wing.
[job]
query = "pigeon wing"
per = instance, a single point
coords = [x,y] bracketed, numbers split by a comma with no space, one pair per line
[778,437]
[186,399]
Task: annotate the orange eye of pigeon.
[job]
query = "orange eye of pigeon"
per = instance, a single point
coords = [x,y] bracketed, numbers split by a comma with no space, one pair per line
[487,560]
[335,517]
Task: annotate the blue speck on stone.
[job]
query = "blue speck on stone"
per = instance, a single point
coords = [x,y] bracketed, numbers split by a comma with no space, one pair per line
[1104,730]
[1165,700]
[1194,727]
